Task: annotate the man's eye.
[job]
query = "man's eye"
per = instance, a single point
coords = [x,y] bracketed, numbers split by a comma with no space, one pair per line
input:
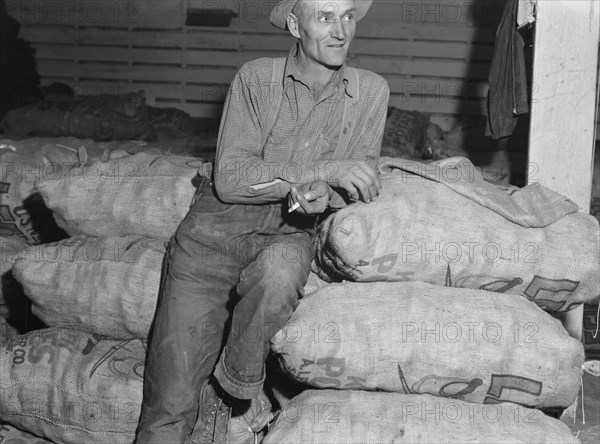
[348,17]
[324,19]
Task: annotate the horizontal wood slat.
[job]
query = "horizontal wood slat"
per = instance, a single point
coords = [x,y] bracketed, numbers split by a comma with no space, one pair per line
[135,73]
[157,14]
[434,91]
[161,72]
[255,42]
[49,49]
[447,20]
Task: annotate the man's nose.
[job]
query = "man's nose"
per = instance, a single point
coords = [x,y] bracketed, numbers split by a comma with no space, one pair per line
[337,30]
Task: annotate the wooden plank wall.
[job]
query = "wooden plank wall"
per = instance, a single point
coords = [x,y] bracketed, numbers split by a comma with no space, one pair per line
[435,54]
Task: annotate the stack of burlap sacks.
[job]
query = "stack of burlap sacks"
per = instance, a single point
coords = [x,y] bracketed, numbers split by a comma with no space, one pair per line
[80,379]
[459,363]
[24,217]
[414,316]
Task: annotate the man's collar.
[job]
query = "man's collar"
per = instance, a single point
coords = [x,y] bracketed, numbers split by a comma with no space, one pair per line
[292,70]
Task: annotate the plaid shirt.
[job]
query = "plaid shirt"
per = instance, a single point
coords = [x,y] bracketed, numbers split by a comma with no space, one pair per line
[302,141]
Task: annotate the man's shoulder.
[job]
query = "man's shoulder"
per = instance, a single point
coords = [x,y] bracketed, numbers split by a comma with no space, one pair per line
[258,69]
[370,82]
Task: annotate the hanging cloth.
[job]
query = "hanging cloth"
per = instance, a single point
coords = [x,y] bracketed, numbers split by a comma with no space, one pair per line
[507,94]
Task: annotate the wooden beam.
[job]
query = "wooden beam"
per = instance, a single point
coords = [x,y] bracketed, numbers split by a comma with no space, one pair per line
[561,140]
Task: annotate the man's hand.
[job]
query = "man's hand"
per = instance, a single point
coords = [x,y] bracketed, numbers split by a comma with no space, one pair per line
[318,197]
[359,179]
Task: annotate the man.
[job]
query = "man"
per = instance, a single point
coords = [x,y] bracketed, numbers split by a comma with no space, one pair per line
[288,150]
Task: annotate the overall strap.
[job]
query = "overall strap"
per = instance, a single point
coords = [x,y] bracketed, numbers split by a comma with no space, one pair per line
[349,116]
[275,96]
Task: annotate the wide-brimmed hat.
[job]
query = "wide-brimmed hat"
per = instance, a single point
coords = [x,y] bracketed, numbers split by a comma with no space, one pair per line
[282,9]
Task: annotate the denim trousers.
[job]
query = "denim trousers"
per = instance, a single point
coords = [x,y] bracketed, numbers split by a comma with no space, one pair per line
[231,278]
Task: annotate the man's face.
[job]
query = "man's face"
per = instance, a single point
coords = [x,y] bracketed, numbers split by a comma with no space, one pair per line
[325,29]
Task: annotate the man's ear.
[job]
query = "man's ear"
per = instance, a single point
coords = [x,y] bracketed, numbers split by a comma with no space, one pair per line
[292,24]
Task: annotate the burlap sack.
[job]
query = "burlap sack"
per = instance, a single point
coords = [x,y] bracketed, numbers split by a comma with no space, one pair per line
[441,223]
[98,117]
[22,163]
[102,285]
[416,338]
[7,331]
[141,194]
[12,435]
[108,285]
[314,283]
[333,416]
[9,288]
[72,387]
[404,134]
[9,248]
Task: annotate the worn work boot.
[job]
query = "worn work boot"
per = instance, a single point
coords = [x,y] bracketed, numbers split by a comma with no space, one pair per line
[214,411]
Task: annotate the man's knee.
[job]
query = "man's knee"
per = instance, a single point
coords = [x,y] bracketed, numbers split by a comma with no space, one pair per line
[277,273]
[284,265]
